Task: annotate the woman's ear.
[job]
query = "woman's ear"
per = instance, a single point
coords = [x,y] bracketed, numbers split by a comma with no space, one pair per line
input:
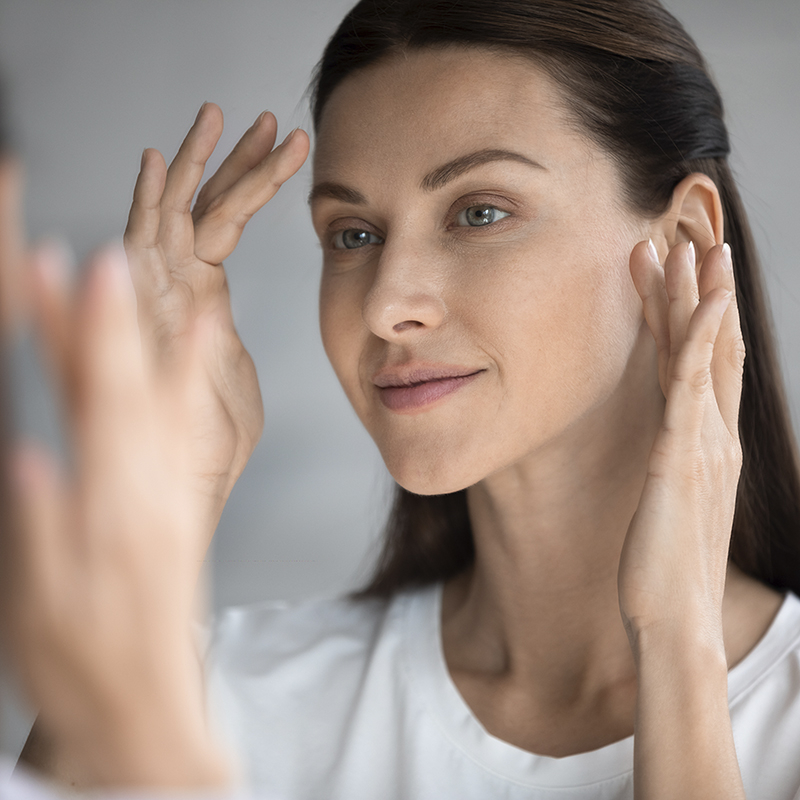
[695,215]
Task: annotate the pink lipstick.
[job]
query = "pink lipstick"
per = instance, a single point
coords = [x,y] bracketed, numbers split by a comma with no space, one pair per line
[410,390]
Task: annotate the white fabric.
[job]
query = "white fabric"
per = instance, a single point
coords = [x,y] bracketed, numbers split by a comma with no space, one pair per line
[351,700]
[20,785]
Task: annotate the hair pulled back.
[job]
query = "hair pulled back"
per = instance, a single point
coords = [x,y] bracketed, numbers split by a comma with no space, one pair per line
[637,84]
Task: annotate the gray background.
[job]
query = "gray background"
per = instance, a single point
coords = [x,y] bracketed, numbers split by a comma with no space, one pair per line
[94,82]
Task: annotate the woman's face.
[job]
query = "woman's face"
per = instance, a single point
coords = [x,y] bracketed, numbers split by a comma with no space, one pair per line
[476,301]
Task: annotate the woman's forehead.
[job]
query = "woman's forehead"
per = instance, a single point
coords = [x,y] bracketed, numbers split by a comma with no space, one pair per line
[426,107]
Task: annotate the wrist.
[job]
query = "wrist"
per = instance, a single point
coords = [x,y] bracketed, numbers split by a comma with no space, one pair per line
[684,632]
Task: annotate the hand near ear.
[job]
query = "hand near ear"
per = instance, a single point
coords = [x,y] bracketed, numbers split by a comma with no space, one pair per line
[694,465]
[673,565]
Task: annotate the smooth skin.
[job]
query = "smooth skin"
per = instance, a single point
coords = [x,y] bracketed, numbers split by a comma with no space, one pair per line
[600,601]
[176,253]
[601,515]
[163,414]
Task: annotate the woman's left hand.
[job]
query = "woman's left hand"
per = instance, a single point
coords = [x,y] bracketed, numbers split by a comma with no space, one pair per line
[674,559]
[673,564]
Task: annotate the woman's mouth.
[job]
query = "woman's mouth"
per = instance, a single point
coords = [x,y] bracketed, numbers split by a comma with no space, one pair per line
[410,390]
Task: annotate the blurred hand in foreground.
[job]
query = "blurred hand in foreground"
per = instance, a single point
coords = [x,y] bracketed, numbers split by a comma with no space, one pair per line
[100,561]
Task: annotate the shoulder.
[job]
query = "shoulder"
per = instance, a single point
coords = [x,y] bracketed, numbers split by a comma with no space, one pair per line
[318,650]
[775,655]
[257,637]
[290,684]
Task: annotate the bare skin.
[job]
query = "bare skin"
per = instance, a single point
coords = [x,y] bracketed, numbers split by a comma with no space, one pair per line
[553,707]
[163,416]
[604,404]
[574,516]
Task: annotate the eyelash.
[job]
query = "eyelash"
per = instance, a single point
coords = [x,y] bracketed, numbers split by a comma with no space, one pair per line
[337,242]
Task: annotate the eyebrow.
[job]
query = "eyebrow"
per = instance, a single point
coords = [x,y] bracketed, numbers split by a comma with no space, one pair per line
[458,166]
[434,180]
[336,191]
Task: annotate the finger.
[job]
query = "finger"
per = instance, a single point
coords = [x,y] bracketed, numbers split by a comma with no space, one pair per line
[250,150]
[691,382]
[648,278]
[680,279]
[729,353]
[109,368]
[52,307]
[145,214]
[176,230]
[13,296]
[149,271]
[219,229]
[186,170]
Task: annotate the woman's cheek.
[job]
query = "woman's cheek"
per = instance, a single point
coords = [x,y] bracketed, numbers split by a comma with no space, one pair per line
[341,325]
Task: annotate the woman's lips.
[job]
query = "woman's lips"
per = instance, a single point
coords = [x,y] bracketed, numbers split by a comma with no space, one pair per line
[419,388]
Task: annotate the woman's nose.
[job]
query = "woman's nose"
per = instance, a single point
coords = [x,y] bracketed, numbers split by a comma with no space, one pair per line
[406,294]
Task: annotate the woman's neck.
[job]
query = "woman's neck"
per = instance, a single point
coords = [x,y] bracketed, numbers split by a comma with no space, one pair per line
[542,596]
[533,630]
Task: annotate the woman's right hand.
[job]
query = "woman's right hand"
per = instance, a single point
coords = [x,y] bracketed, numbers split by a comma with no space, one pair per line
[175,255]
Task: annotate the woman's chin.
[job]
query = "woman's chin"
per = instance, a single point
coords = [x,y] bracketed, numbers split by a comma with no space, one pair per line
[427,478]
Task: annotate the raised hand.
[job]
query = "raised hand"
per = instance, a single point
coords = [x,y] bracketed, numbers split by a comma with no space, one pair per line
[673,565]
[675,554]
[98,601]
[175,255]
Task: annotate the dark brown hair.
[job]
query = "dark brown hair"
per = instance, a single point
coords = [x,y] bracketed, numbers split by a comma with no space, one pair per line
[637,84]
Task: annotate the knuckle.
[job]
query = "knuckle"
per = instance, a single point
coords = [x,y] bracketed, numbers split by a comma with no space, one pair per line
[698,381]
[219,212]
[241,218]
[216,209]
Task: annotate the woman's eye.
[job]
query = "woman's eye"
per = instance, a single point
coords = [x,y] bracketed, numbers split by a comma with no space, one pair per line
[351,239]
[476,216]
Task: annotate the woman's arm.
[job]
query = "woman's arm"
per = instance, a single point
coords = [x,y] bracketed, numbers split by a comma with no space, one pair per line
[683,743]
[673,565]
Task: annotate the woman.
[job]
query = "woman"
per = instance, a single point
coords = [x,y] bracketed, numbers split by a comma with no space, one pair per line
[496,190]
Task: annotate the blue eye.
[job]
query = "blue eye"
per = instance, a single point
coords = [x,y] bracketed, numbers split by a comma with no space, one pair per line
[477,216]
[352,239]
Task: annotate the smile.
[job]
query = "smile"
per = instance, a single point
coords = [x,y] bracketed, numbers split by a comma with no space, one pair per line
[413,390]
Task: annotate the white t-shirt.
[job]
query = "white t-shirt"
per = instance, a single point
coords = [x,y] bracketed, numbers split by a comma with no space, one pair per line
[352,700]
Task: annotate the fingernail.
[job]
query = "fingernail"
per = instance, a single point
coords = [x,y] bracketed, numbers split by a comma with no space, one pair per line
[727,254]
[290,136]
[651,249]
[692,254]
[199,113]
[144,156]
[725,302]
[259,118]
